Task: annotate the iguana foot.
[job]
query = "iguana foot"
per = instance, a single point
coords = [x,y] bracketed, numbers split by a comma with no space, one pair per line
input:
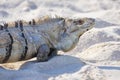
[53,52]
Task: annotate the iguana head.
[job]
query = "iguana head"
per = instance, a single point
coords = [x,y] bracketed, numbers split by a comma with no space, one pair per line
[79,26]
[74,28]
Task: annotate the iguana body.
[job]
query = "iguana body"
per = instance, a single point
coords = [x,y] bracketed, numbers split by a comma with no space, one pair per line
[40,38]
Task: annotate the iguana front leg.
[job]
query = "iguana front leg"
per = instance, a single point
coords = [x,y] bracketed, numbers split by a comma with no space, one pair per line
[45,53]
[42,53]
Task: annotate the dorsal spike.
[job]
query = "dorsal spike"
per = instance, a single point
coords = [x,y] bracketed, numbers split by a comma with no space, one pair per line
[1,27]
[36,21]
[21,25]
[5,25]
[45,18]
[16,24]
[33,22]
[30,23]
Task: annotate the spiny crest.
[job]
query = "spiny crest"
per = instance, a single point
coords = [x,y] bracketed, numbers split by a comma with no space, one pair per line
[36,21]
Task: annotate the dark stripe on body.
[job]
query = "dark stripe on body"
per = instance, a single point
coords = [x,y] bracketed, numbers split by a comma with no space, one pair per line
[9,47]
[26,47]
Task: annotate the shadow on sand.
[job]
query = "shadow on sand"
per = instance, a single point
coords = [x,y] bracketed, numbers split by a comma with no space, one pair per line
[43,70]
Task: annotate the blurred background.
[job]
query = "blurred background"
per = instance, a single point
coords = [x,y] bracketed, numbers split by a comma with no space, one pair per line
[27,9]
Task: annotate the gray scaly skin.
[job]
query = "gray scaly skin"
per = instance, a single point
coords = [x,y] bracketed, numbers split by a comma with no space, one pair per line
[40,38]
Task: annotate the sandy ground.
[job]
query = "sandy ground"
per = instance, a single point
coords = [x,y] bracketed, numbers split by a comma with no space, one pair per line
[97,55]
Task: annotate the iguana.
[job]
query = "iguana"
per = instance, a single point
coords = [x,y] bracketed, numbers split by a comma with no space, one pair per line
[41,38]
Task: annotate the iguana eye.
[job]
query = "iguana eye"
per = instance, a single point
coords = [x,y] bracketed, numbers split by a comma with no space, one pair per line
[81,21]
[78,22]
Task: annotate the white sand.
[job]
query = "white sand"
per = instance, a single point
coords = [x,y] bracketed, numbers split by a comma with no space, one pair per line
[97,55]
